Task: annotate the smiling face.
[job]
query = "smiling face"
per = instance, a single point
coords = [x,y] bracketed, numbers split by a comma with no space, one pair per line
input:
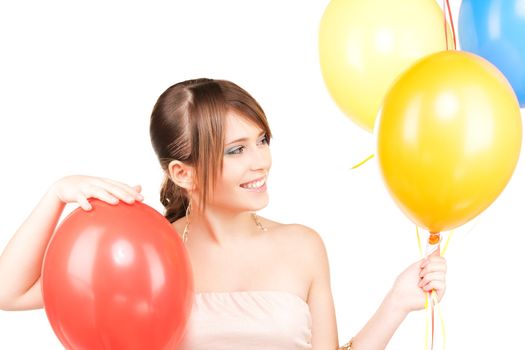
[241,186]
[208,136]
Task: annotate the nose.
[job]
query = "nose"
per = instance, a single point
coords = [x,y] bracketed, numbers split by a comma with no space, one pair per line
[261,159]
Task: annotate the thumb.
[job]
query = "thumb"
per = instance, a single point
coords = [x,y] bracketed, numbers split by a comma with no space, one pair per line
[437,251]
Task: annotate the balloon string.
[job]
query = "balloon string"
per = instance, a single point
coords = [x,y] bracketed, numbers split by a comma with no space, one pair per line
[445,247]
[445,24]
[419,242]
[434,295]
[432,245]
[433,318]
[451,24]
[446,8]
[441,319]
[432,302]
[446,243]
[363,162]
[427,300]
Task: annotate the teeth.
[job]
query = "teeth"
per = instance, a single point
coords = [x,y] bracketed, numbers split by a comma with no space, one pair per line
[255,184]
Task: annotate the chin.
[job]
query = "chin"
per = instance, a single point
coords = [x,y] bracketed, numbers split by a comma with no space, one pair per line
[242,204]
[260,207]
[255,205]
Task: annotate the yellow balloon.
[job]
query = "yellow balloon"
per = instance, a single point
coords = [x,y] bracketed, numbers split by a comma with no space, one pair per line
[365,45]
[448,139]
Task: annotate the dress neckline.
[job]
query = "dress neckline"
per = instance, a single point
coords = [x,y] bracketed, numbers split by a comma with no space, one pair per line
[257,292]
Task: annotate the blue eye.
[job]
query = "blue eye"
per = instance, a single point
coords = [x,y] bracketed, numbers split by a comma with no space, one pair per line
[235,150]
[265,140]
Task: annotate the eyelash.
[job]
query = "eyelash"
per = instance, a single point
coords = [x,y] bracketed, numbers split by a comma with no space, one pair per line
[240,149]
[265,139]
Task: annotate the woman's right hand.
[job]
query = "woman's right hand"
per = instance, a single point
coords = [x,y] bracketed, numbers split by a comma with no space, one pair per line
[21,261]
[79,188]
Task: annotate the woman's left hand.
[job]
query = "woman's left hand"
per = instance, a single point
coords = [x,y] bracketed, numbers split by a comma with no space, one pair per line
[413,284]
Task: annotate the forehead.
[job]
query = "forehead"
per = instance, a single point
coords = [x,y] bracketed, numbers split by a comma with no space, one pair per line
[238,126]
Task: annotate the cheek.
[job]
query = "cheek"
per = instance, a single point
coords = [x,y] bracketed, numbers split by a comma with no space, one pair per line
[231,176]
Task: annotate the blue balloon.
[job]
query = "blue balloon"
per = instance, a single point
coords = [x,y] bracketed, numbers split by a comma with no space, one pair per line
[495,30]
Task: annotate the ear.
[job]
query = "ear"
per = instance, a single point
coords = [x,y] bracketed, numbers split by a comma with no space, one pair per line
[181,174]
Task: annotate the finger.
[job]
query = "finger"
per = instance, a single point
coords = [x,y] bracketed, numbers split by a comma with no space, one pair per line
[139,195]
[433,267]
[432,257]
[119,192]
[433,260]
[441,292]
[131,191]
[432,276]
[84,203]
[102,194]
[438,286]
[122,185]
[438,258]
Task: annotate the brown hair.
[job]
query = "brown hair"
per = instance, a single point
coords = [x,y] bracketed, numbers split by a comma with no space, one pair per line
[187,124]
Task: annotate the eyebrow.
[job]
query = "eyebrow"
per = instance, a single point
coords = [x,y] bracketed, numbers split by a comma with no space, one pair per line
[245,138]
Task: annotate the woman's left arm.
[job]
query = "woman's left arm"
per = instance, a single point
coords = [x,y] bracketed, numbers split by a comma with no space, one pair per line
[407,294]
[320,301]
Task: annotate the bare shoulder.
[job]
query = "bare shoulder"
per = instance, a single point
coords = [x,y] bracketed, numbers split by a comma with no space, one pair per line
[302,238]
[301,250]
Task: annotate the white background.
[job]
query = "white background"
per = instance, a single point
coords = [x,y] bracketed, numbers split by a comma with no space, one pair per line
[78,81]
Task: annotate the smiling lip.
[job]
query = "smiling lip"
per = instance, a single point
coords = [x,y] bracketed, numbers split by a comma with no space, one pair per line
[258,185]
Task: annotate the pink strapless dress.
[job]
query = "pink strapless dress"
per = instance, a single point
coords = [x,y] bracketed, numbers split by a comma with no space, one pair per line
[248,320]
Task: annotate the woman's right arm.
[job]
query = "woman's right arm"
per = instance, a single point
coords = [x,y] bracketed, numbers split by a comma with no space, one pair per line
[21,261]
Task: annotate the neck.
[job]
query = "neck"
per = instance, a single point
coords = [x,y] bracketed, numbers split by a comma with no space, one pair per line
[222,227]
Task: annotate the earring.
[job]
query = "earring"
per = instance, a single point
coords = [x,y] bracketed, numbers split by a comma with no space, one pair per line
[187,226]
[258,222]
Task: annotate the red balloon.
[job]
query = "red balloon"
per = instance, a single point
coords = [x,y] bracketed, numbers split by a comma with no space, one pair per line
[117,277]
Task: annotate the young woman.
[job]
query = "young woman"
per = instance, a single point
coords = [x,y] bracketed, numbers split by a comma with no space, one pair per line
[259,284]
